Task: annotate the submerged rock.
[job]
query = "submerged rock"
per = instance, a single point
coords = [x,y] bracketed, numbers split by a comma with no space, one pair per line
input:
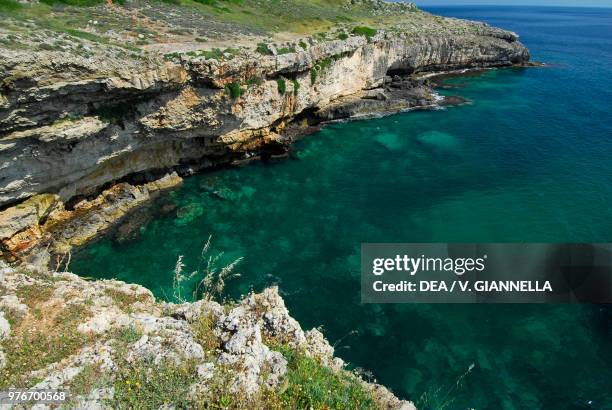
[390,141]
[438,139]
[130,228]
[189,213]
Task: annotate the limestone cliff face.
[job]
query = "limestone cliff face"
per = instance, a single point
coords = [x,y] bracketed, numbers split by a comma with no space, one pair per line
[71,126]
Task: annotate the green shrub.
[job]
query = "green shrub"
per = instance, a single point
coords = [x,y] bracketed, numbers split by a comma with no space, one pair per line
[296,87]
[233,90]
[232,51]
[10,5]
[253,81]
[171,56]
[313,75]
[303,45]
[282,87]
[367,32]
[214,54]
[285,50]
[342,36]
[319,67]
[324,63]
[262,48]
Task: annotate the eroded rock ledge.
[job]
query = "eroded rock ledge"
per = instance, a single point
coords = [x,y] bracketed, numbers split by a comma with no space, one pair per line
[103,340]
[81,137]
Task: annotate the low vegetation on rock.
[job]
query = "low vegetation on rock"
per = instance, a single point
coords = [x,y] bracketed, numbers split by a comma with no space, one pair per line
[262,48]
[296,87]
[254,81]
[233,90]
[281,86]
[114,346]
[367,32]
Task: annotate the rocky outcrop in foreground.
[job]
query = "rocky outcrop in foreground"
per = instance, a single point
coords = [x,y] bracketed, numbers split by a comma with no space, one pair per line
[112,345]
[85,128]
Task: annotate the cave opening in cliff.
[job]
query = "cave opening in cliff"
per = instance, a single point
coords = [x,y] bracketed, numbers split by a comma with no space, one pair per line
[400,71]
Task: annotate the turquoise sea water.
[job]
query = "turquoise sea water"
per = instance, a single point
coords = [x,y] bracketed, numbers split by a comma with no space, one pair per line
[530,159]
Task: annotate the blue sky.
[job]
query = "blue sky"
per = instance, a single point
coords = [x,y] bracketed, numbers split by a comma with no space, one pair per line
[582,3]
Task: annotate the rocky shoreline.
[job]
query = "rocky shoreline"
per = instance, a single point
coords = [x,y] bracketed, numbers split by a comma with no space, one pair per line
[94,334]
[82,143]
[91,131]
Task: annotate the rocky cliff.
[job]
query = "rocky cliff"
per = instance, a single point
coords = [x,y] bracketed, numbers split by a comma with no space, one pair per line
[89,131]
[111,345]
[103,108]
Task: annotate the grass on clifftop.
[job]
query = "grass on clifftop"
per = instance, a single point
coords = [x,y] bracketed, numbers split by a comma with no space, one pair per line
[128,23]
[310,385]
[146,385]
[48,334]
[307,385]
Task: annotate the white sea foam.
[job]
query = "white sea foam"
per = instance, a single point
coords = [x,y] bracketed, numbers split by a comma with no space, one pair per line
[438,98]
